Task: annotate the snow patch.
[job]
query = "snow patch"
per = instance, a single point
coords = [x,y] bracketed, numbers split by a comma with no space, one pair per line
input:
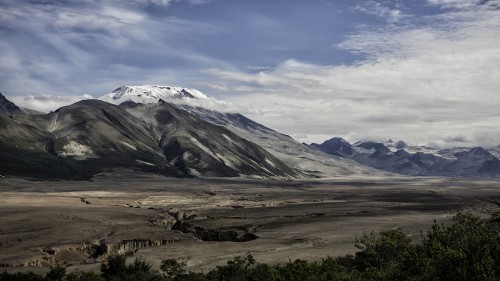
[200,145]
[129,145]
[228,162]
[362,150]
[228,138]
[270,162]
[144,162]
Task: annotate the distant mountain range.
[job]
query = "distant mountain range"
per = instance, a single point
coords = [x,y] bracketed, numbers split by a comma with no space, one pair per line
[398,157]
[164,130]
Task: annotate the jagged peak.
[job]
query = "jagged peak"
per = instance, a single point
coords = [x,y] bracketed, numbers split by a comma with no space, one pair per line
[8,107]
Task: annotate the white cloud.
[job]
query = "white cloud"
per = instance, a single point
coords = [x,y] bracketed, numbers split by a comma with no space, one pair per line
[87,47]
[158,3]
[108,18]
[46,103]
[379,10]
[425,84]
[428,80]
[457,4]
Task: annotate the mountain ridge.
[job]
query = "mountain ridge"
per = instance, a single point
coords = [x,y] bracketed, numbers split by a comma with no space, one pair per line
[93,136]
[407,160]
[157,129]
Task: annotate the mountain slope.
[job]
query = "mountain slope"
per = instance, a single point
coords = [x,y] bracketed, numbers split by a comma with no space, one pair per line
[202,148]
[92,136]
[8,107]
[85,138]
[105,136]
[311,162]
[22,153]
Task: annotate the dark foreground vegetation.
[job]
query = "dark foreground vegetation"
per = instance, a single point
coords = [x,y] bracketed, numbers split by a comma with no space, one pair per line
[466,249]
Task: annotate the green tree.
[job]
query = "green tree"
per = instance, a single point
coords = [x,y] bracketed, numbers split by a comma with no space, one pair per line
[467,249]
[173,267]
[115,268]
[57,273]
[241,268]
[30,276]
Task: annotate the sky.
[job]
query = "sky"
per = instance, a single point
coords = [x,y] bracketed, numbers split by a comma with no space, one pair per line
[424,71]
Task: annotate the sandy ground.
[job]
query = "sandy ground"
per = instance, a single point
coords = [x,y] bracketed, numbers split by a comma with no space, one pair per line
[43,223]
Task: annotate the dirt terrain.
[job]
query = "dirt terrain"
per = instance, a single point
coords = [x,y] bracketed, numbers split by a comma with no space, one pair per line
[209,221]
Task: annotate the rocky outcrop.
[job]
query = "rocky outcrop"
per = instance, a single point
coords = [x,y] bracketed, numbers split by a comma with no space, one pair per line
[176,220]
[162,221]
[131,246]
[182,215]
[123,247]
[213,235]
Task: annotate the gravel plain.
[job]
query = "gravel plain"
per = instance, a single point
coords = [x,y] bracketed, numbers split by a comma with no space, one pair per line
[202,221]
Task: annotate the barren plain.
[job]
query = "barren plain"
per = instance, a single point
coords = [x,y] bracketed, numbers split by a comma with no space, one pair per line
[209,221]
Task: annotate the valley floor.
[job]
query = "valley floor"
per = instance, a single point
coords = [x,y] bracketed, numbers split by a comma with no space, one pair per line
[78,223]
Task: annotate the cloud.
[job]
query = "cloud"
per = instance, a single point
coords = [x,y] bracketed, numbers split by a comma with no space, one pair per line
[425,83]
[425,75]
[379,10]
[456,4]
[75,47]
[46,103]
[140,3]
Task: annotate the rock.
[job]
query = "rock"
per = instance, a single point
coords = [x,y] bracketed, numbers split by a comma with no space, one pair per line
[212,235]
[49,250]
[162,221]
[183,215]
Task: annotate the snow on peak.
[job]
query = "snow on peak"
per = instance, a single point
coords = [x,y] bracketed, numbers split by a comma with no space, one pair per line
[152,94]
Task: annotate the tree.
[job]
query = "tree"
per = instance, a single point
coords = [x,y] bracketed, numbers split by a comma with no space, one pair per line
[173,267]
[463,250]
[57,273]
[114,267]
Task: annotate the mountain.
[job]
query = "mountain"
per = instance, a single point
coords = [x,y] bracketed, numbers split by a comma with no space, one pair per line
[92,136]
[307,161]
[80,140]
[395,145]
[336,146]
[311,162]
[157,129]
[202,148]
[152,94]
[477,161]
[495,151]
[466,162]
[8,107]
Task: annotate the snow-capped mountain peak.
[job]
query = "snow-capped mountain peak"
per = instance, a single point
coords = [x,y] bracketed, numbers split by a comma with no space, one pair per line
[152,94]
